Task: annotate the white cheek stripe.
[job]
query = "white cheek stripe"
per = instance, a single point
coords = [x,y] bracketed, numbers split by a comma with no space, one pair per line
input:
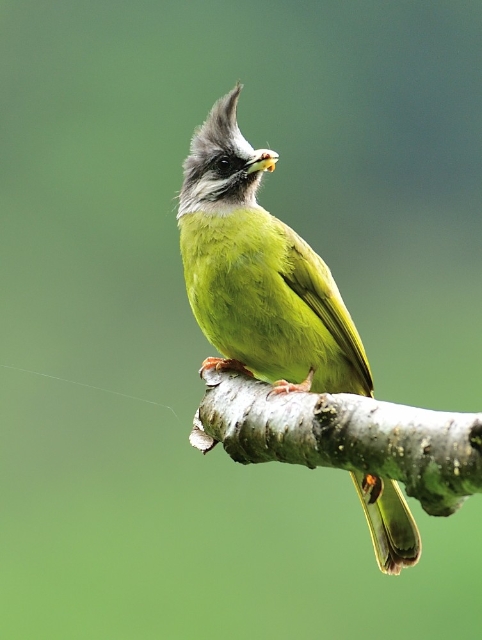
[207,186]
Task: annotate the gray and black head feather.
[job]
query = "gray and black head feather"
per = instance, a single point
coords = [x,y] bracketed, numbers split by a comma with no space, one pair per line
[220,127]
[215,170]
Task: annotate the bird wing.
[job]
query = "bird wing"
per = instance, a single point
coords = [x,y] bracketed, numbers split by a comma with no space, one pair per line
[310,278]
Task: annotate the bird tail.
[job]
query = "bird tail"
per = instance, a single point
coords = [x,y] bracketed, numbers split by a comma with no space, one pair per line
[395,536]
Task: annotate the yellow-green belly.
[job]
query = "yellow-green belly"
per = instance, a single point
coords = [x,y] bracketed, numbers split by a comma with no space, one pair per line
[232,267]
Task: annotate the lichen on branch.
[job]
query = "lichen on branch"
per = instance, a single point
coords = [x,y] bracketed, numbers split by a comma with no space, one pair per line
[436,454]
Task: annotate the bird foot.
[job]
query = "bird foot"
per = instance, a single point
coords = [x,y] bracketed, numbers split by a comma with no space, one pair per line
[283,386]
[224,364]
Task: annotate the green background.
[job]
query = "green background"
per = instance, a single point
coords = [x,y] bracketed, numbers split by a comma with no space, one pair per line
[111,525]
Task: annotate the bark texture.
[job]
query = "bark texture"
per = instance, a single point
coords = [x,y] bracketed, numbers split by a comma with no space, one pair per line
[436,454]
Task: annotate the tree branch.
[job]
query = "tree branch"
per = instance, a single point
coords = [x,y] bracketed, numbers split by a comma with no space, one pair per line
[436,454]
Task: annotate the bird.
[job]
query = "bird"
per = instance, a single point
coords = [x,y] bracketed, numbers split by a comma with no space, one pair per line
[269,304]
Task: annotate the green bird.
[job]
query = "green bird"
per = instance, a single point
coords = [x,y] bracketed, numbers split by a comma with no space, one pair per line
[269,303]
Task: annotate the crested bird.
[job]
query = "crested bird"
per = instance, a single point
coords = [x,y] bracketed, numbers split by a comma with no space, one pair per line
[269,303]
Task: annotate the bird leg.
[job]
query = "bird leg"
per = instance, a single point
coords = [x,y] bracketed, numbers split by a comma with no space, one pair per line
[224,364]
[283,386]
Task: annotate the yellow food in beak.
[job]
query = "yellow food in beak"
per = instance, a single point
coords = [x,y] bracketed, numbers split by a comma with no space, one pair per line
[263,160]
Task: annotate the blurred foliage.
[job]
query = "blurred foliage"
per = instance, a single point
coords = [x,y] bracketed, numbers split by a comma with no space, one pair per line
[112,526]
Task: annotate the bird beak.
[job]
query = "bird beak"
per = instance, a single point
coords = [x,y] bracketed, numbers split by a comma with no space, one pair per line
[262,160]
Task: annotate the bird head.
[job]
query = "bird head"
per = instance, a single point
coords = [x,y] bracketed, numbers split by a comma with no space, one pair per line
[222,171]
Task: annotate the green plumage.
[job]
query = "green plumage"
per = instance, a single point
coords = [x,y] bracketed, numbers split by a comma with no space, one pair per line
[263,297]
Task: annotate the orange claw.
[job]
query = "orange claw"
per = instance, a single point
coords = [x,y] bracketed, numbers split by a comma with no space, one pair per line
[374,486]
[283,386]
[223,364]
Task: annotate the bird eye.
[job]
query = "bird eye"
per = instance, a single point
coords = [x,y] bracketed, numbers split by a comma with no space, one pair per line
[224,164]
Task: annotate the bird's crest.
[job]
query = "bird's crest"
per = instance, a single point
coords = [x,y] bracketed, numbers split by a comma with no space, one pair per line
[220,126]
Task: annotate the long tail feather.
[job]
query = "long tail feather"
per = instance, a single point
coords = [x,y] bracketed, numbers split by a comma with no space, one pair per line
[395,536]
